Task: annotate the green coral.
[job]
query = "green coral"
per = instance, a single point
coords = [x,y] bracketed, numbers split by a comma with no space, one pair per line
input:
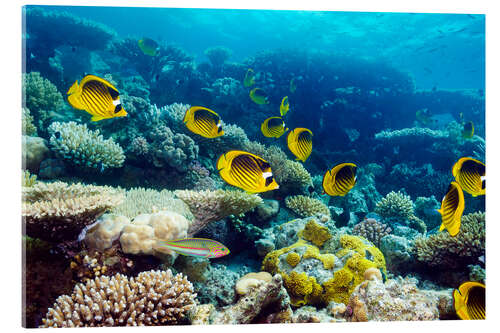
[320,274]
[41,97]
[305,206]
[84,148]
[28,128]
[27,179]
[395,205]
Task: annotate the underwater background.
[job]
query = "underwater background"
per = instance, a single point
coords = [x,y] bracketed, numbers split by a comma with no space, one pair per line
[395,94]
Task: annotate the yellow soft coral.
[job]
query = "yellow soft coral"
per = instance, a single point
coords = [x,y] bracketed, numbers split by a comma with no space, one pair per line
[315,233]
[293,259]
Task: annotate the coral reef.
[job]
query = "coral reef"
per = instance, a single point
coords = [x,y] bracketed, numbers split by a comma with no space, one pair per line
[395,205]
[441,251]
[106,230]
[250,281]
[414,136]
[27,126]
[152,298]
[266,298]
[398,254]
[144,200]
[58,212]
[211,206]
[141,235]
[426,209]
[398,299]
[372,230]
[34,151]
[324,272]
[84,148]
[218,285]
[306,206]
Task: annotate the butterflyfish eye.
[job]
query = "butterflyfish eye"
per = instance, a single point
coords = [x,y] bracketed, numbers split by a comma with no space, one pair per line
[118,108]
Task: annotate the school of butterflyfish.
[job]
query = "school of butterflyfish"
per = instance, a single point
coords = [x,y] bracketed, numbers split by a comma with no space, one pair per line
[253,174]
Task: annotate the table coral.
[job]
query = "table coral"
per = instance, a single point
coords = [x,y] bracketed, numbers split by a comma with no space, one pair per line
[399,299]
[306,206]
[445,252]
[152,298]
[325,272]
[84,148]
[140,200]
[58,212]
[210,206]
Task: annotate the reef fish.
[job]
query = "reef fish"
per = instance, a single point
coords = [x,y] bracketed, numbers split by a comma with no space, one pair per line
[258,96]
[299,142]
[468,130]
[204,122]
[249,78]
[293,85]
[285,106]
[149,46]
[340,179]
[452,207]
[471,175]
[195,247]
[273,127]
[424,116]
[96,96]
[469,301]
[246,171]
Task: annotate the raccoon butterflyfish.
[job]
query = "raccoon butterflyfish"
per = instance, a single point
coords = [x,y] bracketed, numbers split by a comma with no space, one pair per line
[273,127]
[299,142]
[96,96]
[258,96]
[452,207]
[340,179]
[468,131]
[285,106]
[471,175]
[246,171]
[469,301]
[249,78]
[203,121]
[293,86]
[194,247]
[149,46]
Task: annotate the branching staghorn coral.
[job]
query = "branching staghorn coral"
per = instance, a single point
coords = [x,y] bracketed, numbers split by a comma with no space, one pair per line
[41,97]
[145,200]
[153,298]
[84,148]
[210,206]
[27,179]
[372,230]
[28,128]
[395,205]
[306,206]
[58,212]
[446,252]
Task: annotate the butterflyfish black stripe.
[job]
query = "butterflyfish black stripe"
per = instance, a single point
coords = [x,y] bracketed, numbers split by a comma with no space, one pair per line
[92,105]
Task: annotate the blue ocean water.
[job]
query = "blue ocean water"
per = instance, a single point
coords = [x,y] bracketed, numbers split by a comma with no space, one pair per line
[399,96]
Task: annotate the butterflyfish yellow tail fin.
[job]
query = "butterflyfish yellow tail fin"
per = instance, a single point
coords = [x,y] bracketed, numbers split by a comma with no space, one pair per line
[96,118]
[74,88]
[75,101]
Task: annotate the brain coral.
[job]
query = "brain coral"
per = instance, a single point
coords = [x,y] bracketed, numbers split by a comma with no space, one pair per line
[305,206]
[445,252]
[58,212]
[210,206]
[84,148]
[142,234]
[327,272]
[153,298]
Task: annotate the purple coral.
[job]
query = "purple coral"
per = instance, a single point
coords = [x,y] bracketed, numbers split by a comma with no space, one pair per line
[372,230]
[139,146]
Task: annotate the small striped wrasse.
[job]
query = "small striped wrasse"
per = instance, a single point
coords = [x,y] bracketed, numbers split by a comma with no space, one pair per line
[195,247]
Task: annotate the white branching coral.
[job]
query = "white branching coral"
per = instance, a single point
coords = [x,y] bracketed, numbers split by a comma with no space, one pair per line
[153,298]
[305,206]
[83,147]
